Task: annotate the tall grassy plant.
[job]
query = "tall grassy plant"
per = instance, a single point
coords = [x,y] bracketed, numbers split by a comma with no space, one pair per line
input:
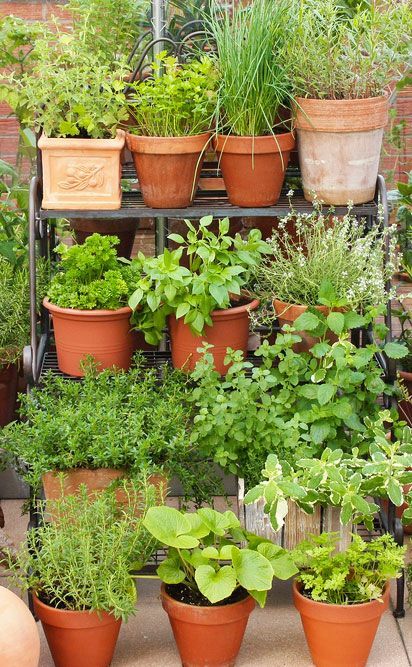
[339,55]
[254,83]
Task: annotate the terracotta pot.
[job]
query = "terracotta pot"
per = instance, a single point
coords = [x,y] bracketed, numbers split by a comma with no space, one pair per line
[105,334]
[96,481]
[8,393]
[168,168]
[82,174]
[339,144]
[208,636]
[339,635]
[287,313]
[19,638]
[78,638]
[124,229]
[230,329]
[253,168]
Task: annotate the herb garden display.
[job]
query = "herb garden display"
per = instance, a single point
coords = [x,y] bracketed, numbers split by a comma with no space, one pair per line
[306,417]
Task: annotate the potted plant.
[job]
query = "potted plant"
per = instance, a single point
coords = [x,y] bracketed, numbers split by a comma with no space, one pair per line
[327,263]
[341,597]
[342,67]
[78,567]
[111,425]
[87,299]
[253,143]
[77,102]
[210,583]
[172,114]
[404,316]
[205,302]
[403,202]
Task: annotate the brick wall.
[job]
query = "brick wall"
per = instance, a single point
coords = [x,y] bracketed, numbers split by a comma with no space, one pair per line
[392,159]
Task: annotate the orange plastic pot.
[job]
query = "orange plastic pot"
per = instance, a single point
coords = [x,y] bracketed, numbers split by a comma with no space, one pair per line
[230,329]
[287,313]
[78,638]
[208,636]
[339,635]
[254,168]
[168,168]
[104,334]
[8,393]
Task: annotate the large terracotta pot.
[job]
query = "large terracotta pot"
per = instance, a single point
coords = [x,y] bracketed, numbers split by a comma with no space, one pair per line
[124,229]
[339,635]
[19,638]
[230,329]
[254,168]
[339,143]
[8,393]
[78,638]
[208,636]
[168,168]
[287,313]
[105,334]
[82,174]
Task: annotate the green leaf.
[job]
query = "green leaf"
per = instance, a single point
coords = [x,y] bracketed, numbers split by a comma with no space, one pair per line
[216,522]
[215,586]
[253,494]
[319,431]
[396,350]
[219,293]
[353,320]
[336,322]
[282,563]
[306,322]
[360,504]
[170,527]
[325,393]
[395,492]
[327,293]
[198,528]
[177,238]
[260,597]
[182,309]
[170,572]
[253,571]
[319,350]
[135,298]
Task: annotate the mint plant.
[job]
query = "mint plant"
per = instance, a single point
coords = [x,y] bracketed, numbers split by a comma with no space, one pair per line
[338,479]
[220,267]
[204,555]
[357,575]
[179,100]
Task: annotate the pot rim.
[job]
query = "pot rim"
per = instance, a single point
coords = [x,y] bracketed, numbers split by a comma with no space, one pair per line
[355,100]
[211,609]
[68,143]
[222,312]
[70,612]
[297,586]
[188,144]
[84,313]
[265,144]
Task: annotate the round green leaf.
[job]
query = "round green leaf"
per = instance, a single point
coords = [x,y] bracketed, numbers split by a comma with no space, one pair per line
[170,527]
[253,571]
[215,586]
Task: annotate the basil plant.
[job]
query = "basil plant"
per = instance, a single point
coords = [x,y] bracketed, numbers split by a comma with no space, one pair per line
[206,556]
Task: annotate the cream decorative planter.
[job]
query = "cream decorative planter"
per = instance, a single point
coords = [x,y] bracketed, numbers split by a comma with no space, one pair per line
[339,143]
[82,174]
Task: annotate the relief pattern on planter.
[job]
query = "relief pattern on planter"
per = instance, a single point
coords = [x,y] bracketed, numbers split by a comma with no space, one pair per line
[81,176]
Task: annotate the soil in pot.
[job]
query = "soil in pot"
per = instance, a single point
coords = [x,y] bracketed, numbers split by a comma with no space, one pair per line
[104,334]
[339,143]
[230,329]
[8,393]
[287,313]
[168,168]
[254,168]
[78,638]
[339,635]
[124,229]
[207,636]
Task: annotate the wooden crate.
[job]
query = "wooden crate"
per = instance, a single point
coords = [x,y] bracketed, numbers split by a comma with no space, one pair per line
[298,524]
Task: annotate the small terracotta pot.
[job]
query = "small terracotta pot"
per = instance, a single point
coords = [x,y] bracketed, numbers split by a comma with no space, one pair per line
[254,168]
[82,174]
[339,144]
[19,638]
[287,313]
[124,229]
[339,635]
[208,636]
[8,393]
[230,329]
[78,638]
[105,334]
[168,168]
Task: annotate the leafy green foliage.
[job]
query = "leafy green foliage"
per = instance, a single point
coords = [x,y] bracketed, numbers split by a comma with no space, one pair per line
[13,217]
[335,54]
[219,268]
[404,220]
[124,420]
[179,100]
[83,559]
[293,404]
[404,315]
[340,479]
[356,575]
[320,258]
[91,276]
[204,555]
[254,83]
[14,305]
